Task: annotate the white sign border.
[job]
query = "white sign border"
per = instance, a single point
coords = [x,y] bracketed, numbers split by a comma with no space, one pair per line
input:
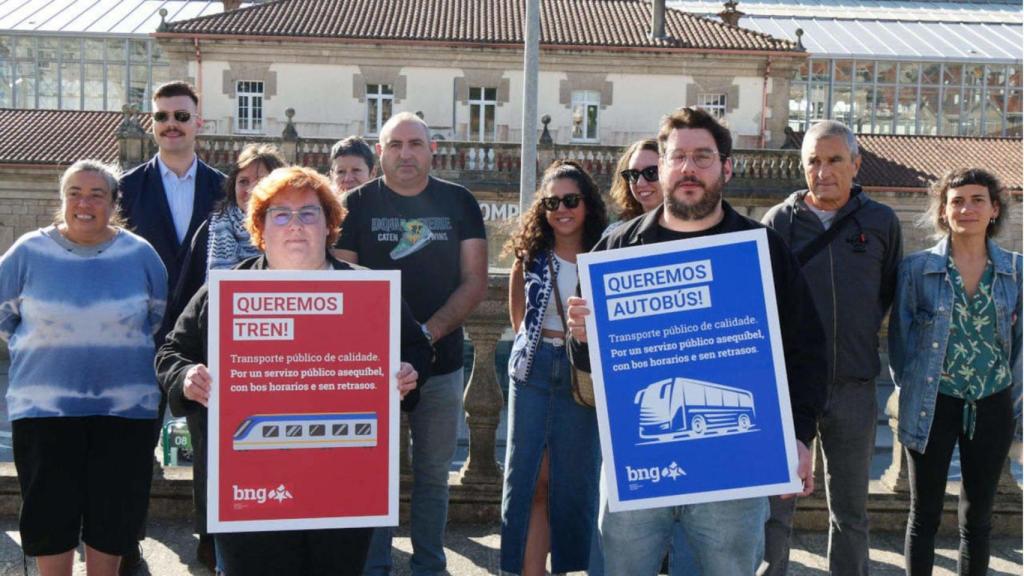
[760,237]
[213,522]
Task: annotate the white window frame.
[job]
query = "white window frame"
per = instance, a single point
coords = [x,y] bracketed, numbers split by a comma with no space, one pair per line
[375,97]
[582,101]
[249,106]
[483,102]
[714,103]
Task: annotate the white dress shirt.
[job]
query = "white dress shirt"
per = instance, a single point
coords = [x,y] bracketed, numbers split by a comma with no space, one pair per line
[181,194]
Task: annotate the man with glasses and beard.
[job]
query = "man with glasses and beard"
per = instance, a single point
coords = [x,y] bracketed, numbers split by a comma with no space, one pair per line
[726,537]
[164,201]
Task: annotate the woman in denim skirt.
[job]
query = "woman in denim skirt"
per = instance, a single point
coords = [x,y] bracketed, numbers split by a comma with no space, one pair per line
[552,460]
[954,351]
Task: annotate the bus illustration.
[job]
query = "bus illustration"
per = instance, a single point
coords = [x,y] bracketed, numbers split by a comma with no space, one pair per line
[296,431]
[682,407]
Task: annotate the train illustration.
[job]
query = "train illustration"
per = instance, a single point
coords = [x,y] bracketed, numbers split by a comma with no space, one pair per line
[681,407]
[298,431]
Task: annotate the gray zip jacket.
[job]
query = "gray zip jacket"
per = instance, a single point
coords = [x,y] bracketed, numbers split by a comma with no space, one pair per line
[852,280]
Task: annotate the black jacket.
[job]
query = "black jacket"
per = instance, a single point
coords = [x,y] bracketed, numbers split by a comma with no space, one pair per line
[802,334]
[853,279]
[186,345]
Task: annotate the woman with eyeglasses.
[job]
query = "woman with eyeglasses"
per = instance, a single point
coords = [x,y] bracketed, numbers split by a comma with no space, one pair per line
[220,242]
[80,303]
[954,353]
[293,217]
[551,463]
[636,189]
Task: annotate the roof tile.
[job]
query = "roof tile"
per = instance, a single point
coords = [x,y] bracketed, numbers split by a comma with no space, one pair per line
[59,137]
[605,23]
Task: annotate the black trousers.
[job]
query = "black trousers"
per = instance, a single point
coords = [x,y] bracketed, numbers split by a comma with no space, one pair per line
[334,552]
[981,462]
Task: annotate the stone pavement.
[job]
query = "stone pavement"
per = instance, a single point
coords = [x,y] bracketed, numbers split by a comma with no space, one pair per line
[473,550]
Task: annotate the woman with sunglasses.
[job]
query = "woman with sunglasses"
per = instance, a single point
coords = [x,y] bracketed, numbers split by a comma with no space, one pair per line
[636,190]
[954,353]
[551,463]
[220,242]
[293,217]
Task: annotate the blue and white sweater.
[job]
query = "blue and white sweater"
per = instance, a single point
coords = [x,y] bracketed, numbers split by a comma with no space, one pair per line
[79,322]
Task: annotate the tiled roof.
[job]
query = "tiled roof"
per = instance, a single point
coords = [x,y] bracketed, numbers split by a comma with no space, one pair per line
[598,23]
[917,161]
[59,137]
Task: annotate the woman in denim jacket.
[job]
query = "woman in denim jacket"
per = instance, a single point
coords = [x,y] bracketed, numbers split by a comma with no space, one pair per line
[954,352]
[551,464]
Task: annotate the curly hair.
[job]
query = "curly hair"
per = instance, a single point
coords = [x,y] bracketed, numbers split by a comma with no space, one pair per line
[292,178]
[535,234]
[939,191]
[628,205]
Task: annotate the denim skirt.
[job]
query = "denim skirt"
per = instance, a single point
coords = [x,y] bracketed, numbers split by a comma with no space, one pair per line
[543,416]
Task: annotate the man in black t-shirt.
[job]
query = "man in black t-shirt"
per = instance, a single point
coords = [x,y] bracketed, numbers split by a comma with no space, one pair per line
[433,232]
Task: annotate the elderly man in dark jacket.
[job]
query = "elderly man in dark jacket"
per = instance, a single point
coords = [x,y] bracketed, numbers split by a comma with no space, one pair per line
[849,247]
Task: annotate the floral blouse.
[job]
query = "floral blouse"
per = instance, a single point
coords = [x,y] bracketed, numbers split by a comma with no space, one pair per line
[975,366]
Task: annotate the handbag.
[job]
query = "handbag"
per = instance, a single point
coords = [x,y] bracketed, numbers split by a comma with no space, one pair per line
[582,383]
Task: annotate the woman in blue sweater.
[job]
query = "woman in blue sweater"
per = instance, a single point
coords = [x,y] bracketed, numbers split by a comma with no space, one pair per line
[80,302]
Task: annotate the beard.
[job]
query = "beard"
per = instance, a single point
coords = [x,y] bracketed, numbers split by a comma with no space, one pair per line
[701,208]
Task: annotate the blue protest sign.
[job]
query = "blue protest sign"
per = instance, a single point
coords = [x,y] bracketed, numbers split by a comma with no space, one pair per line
[689,373]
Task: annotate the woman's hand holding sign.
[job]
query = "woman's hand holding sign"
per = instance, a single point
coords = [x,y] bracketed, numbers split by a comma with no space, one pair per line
[578,313]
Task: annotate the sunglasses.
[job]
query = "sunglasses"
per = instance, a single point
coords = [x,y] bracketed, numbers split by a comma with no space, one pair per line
[570,200]
[281,216]
[633,176]
[181,116]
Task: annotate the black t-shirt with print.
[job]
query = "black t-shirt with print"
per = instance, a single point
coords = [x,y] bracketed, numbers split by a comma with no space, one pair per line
[421,236]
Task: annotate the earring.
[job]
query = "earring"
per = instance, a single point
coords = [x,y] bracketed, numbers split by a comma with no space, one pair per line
[991,220]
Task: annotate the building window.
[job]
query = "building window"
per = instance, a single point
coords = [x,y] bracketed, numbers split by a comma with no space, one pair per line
[713,104]
[585,105]
[249,96]
[482,104]
[379,98]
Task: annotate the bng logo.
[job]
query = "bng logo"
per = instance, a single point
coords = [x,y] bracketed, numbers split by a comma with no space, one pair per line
[654,474]
[260,495]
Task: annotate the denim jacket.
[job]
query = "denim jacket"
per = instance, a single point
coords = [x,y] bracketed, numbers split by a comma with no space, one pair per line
[538,290]
[919,332]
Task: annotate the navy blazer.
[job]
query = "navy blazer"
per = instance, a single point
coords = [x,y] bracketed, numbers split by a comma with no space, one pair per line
[145,209]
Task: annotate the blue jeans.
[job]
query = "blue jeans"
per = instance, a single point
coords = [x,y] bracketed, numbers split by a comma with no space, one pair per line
[727,538]
[433,426]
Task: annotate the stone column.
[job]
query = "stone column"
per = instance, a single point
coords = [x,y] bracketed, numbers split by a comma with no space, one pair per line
[895,476]
[131,139]
[290,138]
[483,399]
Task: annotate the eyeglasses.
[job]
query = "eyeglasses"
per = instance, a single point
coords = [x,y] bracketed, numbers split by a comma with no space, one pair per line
[633,176]
[700,158]
[570,200]
[181,116]
[281,216]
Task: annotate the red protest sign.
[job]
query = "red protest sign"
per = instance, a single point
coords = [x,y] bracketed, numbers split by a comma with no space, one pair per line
[304,410]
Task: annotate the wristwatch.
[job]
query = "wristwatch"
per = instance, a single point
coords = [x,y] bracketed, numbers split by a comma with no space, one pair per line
[427,334]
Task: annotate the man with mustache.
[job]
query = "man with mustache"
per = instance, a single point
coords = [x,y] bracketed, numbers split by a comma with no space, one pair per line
[849,247]
[726,537]
[433,232]
[164,201]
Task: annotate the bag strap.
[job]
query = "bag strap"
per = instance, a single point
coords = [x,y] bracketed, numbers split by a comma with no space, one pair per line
[561,316]
[805,254]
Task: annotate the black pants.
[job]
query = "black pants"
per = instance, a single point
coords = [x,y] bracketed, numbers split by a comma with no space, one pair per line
[981,461]
[333,552]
